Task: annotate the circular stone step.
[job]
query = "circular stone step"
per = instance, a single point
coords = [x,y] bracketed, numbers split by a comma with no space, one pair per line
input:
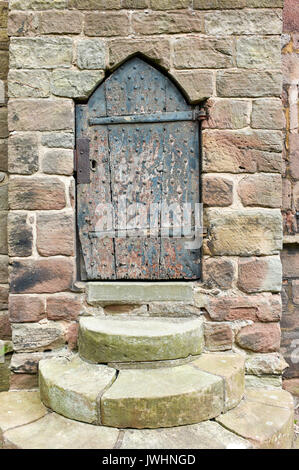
[139,339]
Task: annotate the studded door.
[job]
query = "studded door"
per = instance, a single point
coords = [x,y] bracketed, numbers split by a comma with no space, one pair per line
[137,178]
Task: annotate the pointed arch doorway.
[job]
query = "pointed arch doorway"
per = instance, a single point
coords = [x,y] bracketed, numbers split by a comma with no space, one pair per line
[137,143]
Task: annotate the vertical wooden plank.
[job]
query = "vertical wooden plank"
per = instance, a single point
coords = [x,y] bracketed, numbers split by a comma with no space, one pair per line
[180,186]
[136,175]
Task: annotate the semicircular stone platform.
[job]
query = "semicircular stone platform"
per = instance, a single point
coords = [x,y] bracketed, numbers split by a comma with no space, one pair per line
[121,339]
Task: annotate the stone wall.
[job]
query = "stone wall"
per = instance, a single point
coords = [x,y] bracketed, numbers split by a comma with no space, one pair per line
[290,254]
[5,329]
[223,53]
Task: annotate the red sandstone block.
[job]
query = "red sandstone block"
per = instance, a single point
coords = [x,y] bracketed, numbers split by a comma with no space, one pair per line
[5,329]
[260,337]
[55,234]
[290,262]
[217,191]
[41,276]
[26,308]
[72,336]
[64,307]
[260,307]
[291,16]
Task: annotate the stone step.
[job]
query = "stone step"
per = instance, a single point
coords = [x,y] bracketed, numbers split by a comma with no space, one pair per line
[142,398]
[26,424]
[139,339]
[264,417]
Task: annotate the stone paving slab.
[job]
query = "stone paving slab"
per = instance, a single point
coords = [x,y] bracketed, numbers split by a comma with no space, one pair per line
[72,387]
[133,338]
[162,398]
[206,435]
[18,408]
[56,432]
[266,426]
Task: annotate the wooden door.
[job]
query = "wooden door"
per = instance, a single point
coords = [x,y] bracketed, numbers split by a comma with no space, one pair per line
[137,142]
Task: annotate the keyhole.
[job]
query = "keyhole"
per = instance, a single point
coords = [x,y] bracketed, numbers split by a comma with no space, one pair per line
[93,165]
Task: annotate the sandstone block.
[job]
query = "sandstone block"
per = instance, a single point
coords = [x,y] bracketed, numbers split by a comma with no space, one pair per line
[37,336]
[3,233]
[290,16]
[28,84]
[262,307]
[149,23]
[135,4]
[197,84]
[203,53]
[227,114]
[20,235]
[169,4]
[52,115]
[27,362]
[37,4]
[71,336]
[259,53]
[23,154]
[261,190]
[74,84]
[244,233]
[260,274]
[4,197]
[251,84]
[60,22]
[218,336]
[36,193]
[270,108]
[63,307]
[4,377]
[260,337]
[217,191]
[21,23]
[109,293]
[237,151]
[26,308]
[41,276]
[171,309]
[243,22]
[4,297]
[3,155]
[265,364]
[218,273]
[3,269]
[25,382]
[91,54]
[3,123]
[294,155]
[106,24]
[40,53]
[5,328]
[59,162]
[58,140]
[55,234]
[95,4]
[3,64]
[156,49]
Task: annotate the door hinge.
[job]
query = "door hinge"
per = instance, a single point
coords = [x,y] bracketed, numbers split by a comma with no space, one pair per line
[81,161]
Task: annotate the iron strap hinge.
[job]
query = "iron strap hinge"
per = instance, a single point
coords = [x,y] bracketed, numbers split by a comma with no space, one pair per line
[81,161]
[194,115]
